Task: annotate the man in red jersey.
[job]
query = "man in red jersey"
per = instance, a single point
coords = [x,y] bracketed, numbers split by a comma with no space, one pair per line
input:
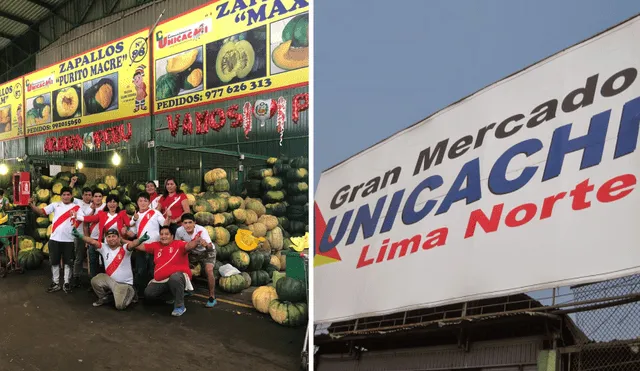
[171,272]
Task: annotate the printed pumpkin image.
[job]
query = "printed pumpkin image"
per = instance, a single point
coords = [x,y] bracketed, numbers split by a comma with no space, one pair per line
[167,86]
[99,97]
[67,102]
[235,59]
[182,61]
[5,115]
[293,52]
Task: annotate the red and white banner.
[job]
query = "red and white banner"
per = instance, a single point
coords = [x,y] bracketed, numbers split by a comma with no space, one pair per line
[527,184]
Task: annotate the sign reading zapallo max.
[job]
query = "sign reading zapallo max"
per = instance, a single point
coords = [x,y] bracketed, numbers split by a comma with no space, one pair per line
[232,48]
[105,84]
[11,110]
[528,184]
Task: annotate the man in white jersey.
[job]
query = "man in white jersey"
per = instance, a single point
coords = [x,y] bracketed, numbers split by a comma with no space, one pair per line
[61,243]
[204,254]
[81,251]
[116,284]
[145,220]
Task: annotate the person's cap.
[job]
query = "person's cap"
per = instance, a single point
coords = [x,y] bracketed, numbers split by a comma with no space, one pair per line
[113,231]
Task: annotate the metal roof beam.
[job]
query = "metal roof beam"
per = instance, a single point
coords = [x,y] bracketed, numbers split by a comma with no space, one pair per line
[51,10]
[15,18]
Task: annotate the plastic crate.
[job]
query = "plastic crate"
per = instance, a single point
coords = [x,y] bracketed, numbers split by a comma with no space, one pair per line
[295,266]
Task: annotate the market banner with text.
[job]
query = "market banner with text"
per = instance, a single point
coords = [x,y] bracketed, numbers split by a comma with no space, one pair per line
[528,184]
[11,110]
[105,84]
[227,49]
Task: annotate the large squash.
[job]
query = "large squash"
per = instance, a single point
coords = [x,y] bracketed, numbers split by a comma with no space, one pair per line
[240,260]
[259,278]
[262,297]
[193,79]
[167,86]
[111,181]
[99,97]
[211,176]
[246,241]
[67,102]
[182,61]
[30,258]
[291,289]
[288,314]
[232,284]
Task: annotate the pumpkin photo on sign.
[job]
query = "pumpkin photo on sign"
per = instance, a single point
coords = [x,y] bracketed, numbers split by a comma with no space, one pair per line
[237,58]
[290,44]
[101,94]
[179,74]
[39,110]
[99,86]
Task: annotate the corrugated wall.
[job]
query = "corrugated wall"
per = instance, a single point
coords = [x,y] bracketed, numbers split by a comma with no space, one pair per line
[481,356]
[101,31]
[182,164]
[134,153]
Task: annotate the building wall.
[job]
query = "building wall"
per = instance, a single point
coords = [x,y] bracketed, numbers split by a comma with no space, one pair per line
[103,30]
[500,355]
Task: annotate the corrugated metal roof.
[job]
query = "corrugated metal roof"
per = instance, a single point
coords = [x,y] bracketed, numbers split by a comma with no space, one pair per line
[16,16]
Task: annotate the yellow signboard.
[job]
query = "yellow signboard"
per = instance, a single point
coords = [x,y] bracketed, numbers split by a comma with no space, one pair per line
[11,110]
[230,48]
[105,84]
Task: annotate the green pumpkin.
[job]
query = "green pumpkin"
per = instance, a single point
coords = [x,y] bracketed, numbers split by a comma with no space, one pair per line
[225,252]
[38,103]
[167,86]
[99,97]
[43,221]
[278,209]
[256,260]
[41,234]
[232,284]
[45,182]
[30,258]
[291,289]
[82,179]
[297,30]
[240,260]
[259,278]
[288,314]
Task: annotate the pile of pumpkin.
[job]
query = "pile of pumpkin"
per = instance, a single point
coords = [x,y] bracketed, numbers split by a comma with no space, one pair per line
[285,299]
[283,187]
[48,191]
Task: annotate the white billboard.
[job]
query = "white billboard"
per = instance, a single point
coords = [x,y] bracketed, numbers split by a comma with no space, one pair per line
[527,184]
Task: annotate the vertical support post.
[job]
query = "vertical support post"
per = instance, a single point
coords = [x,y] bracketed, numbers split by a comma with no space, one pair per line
[201,168]
[553,297]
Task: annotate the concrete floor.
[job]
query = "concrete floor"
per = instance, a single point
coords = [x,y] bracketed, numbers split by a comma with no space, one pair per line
[42,331]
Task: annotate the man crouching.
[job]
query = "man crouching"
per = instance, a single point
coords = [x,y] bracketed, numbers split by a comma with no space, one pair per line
[171,273]
[117,282]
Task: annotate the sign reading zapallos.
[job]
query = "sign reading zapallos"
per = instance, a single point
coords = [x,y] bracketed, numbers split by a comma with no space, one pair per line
[527,184]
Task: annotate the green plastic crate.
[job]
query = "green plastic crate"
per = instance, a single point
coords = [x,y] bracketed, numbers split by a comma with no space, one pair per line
[295,266]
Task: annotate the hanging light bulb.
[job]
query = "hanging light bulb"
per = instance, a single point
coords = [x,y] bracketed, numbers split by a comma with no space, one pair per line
[79,165]
[116,160]
[4,169]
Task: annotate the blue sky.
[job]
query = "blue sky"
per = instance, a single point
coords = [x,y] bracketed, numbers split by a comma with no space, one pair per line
[419,56]
[416,57]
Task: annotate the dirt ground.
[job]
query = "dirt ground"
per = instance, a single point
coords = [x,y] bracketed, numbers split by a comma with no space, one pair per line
[42,331]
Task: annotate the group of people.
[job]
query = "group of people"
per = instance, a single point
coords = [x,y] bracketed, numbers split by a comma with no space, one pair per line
[147,255]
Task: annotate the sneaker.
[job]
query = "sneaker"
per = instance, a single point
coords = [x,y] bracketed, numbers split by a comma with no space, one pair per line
[66,288]
[188,293]
[178,311]
[76,282]
[100,302]
[211,302]
[54,287]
